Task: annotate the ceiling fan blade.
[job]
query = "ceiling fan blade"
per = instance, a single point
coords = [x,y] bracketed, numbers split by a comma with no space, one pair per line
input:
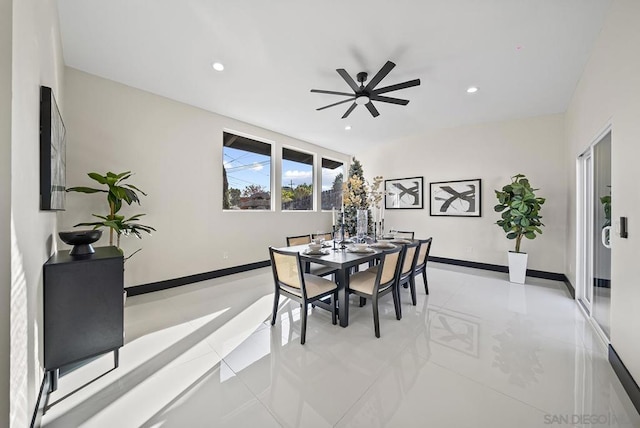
[320,91]
[335,104]
[375,97]
[397,86]
[380,75]
[352,84]
[374,112]
[349,110]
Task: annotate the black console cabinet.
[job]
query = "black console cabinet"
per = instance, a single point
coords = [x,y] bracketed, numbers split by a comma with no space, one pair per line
[83,307]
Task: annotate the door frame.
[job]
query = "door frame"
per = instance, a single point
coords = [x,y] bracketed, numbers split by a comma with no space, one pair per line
[584,221]
[584,243]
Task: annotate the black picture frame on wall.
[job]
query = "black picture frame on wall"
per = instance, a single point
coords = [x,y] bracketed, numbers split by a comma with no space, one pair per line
[459,198]
[52,153]
[404,193]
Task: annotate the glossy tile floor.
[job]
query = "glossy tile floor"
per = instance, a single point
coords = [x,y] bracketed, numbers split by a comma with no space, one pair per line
[477,352]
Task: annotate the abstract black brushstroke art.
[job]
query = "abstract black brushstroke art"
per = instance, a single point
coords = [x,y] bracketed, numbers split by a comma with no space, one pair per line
[459,198]
[52,153]
[404,193]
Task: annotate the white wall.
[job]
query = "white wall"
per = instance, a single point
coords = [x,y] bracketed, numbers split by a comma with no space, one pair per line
[37,60]
[609,92]
[175,151]
[492,152]
[5,209]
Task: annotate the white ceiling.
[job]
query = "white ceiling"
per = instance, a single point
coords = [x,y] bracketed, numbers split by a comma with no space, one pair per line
[526,56]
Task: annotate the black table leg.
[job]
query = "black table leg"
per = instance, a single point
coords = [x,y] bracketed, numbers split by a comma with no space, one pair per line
[343,297]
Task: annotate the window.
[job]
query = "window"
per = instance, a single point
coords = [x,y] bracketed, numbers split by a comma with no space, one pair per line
[246,173]
[332,176]
[297,180]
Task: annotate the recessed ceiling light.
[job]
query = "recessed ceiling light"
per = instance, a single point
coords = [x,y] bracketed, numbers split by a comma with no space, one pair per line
[217,66]
[347,128]
[472,89]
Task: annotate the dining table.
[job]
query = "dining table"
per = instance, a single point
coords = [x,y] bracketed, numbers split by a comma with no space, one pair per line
[342,259]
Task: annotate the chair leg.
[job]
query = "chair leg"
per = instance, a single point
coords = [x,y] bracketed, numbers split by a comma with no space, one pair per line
[396,303]
[412,285]
[363,301]
[426,284]
[276,298]
[334,300]
[303,324]
[376,318]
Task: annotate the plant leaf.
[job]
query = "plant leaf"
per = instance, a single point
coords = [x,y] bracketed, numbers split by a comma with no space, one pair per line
[82,189]
[134,188]
[97,177]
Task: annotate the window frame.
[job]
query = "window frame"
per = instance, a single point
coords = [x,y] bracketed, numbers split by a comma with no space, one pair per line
[272,158]
[314,195]
[343,163]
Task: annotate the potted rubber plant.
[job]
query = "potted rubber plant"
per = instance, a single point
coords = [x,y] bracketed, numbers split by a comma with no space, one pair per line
[118,192]
[520,218]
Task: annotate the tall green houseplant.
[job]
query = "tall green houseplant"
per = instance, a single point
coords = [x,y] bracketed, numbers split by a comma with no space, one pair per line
[118,191]
[520,208]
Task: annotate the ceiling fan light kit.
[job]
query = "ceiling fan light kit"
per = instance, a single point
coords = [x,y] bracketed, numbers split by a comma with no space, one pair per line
[364,95]
[362,100]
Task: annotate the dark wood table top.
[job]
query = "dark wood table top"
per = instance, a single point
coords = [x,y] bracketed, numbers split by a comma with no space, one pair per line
[339,258]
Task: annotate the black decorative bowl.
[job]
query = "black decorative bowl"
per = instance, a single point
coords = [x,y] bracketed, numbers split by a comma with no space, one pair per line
[81,241]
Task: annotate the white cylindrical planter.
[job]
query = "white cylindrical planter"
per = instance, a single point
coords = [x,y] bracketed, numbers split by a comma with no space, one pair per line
[517,267]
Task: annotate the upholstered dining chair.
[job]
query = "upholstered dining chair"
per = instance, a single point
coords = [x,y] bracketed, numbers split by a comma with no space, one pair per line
[421,261]
[327,236]
[374,283]
[407,276]
[291,281]
[314,268]
[403,235]
[298,240]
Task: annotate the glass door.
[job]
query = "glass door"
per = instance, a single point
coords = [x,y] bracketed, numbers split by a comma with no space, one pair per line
[602,233]
[594,261]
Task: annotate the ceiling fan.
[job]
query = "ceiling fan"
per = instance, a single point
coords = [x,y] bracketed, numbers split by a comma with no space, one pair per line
[364,95]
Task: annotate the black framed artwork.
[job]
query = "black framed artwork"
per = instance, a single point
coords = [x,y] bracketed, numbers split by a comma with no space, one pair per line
[460,198]
[404,193]
[52,153]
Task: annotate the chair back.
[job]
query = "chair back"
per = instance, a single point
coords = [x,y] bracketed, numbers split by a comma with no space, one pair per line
[404,234]
[409,263]
[389,269]
[298,240]
[287,270]
[423,252]
[327,236]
